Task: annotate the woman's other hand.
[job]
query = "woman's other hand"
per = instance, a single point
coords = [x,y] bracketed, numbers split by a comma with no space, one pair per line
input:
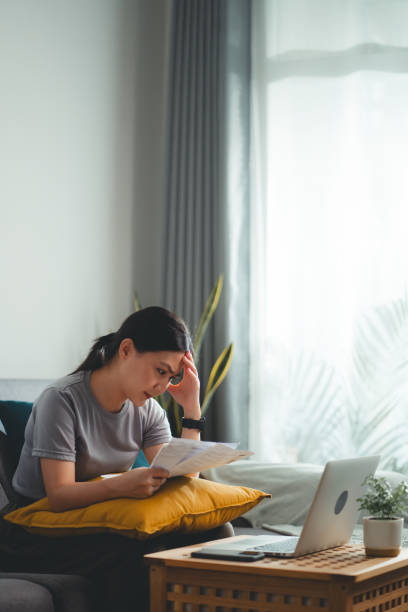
[138,483]
[187,391]
[64,492]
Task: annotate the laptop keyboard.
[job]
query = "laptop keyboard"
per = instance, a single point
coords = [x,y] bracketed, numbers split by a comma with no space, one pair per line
[286,545]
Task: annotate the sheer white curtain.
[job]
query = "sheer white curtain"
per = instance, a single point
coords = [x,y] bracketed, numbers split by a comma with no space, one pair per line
[329,218]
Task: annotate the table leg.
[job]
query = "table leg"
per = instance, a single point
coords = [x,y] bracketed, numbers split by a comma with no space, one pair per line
[158,592]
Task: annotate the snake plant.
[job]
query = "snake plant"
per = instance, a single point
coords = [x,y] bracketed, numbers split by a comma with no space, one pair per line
[218,371]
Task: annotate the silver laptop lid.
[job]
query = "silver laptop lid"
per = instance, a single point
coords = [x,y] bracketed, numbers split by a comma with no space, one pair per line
[334,510]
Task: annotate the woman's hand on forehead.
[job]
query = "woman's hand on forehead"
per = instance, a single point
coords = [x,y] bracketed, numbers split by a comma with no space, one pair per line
[187,391]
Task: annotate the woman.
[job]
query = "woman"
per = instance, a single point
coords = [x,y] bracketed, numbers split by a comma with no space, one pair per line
[95,421]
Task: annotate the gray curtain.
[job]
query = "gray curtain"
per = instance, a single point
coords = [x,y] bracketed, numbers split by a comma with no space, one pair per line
[206,198]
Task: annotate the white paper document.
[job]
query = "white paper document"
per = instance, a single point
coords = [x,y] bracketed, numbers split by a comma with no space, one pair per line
[183,456]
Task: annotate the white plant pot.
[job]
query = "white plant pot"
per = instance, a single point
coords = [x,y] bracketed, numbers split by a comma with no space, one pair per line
[382,537]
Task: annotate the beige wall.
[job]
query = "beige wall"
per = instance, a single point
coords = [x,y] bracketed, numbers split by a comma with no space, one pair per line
[81,119]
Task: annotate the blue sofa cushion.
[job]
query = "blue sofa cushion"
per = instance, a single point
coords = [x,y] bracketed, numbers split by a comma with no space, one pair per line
[140,461]
[14,416]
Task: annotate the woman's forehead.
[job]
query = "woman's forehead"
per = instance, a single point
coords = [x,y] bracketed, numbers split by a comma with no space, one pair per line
[172,360]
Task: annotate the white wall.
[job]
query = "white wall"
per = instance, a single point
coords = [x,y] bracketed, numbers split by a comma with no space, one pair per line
[81,149]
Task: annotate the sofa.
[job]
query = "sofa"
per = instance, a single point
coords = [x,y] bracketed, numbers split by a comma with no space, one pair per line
[292,487]
[21,592]
[52,592]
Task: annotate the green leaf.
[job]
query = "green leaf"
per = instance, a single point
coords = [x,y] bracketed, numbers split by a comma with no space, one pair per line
[163,400]
[173,410]
[381,501]
[206,315]
[174,414]
[136,303]
[217,375]
[218,372]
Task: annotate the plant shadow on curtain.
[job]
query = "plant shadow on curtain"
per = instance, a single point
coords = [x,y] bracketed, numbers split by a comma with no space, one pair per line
[329,309]
[206,229]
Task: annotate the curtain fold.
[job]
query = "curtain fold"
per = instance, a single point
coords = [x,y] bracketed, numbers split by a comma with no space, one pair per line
[207,189]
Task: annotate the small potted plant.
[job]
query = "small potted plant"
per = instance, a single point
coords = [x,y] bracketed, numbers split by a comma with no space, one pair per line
[383,527]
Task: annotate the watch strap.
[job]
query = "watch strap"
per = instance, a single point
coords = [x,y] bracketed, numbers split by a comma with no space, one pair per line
[193,423]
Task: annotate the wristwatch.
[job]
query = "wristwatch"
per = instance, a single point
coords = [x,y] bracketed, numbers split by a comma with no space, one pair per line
[193,423]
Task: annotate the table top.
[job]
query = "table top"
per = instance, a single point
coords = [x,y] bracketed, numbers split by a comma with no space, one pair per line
[348,561]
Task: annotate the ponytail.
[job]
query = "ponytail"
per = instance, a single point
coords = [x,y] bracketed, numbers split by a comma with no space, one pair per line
[102,351]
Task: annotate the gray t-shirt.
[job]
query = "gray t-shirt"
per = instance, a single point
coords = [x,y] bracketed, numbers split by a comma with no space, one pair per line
[68,423]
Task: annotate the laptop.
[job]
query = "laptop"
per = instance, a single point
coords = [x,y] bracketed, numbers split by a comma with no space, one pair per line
[331,518]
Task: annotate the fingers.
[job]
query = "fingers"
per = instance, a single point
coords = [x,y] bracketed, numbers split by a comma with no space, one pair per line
[189,369]
[189,364]
[158,482]
[139,483]
[152,489]
[158,472]
[176,386]
[188,359]
[158,477]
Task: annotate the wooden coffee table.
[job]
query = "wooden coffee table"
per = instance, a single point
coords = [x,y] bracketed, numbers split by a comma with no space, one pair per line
[337,580]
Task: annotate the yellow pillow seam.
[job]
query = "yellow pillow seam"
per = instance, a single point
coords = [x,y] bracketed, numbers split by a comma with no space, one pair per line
[116,525]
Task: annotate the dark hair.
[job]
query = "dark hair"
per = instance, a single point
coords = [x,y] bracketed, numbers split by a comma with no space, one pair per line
[151,329]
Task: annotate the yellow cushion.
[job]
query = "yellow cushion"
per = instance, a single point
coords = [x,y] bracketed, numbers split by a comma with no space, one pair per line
[184,504]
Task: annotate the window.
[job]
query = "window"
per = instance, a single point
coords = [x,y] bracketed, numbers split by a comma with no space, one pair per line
[329,217]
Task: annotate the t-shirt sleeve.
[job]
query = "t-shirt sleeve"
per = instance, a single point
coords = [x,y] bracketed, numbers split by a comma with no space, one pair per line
[54,427]
[156,428]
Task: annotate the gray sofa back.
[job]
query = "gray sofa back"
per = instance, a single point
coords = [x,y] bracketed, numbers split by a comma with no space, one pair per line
[22,389]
